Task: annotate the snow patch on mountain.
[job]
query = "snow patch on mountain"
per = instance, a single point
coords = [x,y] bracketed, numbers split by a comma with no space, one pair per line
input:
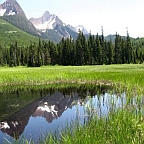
[2,11]
[11,13]
[82,29]
[78,28]
[46,25]
[11,7]
[51,23]
[47,21]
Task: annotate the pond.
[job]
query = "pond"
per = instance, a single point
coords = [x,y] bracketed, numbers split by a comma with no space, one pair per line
[32,114]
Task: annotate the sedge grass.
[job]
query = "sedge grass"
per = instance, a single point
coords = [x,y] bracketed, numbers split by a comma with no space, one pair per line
[122,127]
[130,76]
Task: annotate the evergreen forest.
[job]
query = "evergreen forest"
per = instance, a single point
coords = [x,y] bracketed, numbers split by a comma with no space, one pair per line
[90,50]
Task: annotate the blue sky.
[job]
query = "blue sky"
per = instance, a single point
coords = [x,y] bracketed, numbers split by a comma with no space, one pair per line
[113,15]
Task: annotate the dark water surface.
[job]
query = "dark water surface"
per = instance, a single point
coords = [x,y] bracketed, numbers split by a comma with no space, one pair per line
[33,114]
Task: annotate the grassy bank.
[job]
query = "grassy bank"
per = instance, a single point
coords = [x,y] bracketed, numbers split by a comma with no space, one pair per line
[126,75]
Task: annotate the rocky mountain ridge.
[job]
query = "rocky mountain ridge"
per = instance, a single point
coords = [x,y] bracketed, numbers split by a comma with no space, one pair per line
[48,26]
[11,7]
[50,21]
[47,21]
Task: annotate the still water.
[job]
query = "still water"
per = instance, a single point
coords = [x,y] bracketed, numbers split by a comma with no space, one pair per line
[34,114]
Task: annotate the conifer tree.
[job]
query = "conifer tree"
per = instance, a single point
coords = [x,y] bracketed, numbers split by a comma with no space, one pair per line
[94,51]
[128,49]
[117,50]
[60,49]
[79,49]
[102,42]
[90,47]
[123,48]
[109,53]
[53,53]
[32,60]
[47,59]
[99,51]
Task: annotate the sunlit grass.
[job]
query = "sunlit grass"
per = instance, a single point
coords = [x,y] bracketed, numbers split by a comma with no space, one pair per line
[127,75]
[117,128]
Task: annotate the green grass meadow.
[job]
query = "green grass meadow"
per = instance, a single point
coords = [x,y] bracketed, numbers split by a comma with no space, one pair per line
[125,75]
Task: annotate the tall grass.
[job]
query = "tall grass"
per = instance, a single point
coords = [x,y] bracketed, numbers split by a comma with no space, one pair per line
[119,75]
[120,127]
[124,125]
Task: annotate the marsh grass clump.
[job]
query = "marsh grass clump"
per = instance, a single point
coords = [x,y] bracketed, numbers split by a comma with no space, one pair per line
[120,127]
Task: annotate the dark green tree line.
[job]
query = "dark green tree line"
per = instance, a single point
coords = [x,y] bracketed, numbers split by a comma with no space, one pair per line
[93,50]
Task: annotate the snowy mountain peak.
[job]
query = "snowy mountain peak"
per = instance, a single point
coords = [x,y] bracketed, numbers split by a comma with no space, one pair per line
[77,28]
[47,21]
[11,7]
[48,25]
[51,21]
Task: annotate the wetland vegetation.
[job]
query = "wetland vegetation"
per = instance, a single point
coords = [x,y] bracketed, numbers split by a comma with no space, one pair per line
[123,124]
[130,76]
